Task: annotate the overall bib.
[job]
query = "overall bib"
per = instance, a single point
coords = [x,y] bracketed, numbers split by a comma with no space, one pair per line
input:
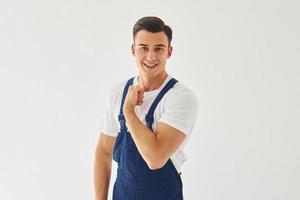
[135,181]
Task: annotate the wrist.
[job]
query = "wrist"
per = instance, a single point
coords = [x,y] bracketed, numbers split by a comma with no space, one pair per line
[128,110]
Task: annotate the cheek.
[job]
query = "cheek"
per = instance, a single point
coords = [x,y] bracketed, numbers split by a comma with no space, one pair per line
[139,57]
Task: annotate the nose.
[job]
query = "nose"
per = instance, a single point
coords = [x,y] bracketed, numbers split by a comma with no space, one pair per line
[151,55]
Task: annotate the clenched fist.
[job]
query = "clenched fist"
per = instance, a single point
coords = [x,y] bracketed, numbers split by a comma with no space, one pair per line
[135,96]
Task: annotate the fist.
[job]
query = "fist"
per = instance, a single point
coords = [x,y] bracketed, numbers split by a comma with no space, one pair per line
[135,96]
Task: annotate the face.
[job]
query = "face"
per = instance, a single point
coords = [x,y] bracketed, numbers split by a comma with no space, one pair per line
[151,51]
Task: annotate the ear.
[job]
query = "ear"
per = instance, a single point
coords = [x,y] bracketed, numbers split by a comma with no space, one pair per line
[133,49]
[170,50]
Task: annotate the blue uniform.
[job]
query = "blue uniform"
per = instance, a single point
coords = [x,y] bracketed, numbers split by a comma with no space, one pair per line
[135,181]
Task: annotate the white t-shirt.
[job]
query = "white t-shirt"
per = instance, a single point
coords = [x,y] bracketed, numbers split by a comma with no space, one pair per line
[178,108]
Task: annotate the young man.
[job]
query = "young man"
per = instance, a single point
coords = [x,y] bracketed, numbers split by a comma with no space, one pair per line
[148,120]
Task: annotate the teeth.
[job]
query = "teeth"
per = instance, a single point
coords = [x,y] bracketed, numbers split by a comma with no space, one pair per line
[150,65]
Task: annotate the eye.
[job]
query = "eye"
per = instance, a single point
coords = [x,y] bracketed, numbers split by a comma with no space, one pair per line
[144,48]
[159,49]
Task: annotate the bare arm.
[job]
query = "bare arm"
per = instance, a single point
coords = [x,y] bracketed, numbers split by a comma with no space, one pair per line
[155,148]
[102,165]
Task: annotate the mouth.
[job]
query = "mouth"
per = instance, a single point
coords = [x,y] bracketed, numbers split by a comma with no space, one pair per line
[150,66]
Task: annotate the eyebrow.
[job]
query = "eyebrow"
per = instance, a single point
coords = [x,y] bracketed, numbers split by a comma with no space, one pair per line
[157,45]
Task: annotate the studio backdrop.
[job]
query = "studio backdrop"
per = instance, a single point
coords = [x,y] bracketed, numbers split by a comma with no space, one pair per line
[59,59]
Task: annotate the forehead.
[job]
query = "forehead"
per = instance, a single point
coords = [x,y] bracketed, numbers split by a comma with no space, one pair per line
[145,37]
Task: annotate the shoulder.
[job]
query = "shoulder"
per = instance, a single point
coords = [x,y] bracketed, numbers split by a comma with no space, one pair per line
[180,94]
[180,108]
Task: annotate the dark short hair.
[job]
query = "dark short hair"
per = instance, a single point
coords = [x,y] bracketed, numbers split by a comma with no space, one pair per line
[153,25]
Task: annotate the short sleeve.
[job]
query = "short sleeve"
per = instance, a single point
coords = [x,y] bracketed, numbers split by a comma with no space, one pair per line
[180,111]
[110,123]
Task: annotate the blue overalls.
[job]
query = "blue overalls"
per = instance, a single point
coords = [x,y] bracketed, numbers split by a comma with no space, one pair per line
[135,181]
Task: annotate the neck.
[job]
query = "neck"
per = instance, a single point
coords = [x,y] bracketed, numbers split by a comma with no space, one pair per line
[151,83]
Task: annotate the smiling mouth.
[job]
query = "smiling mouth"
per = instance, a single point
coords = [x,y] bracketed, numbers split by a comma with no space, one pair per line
[150,66]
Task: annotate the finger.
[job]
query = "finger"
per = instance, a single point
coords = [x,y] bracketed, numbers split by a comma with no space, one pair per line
[140,102]
[131,87]
[139,88]
[140,94]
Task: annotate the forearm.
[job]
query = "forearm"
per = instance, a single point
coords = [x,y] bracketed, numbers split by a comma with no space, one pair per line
[145,140]
[102,174]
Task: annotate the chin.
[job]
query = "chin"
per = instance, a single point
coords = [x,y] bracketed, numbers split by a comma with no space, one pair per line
[149,74]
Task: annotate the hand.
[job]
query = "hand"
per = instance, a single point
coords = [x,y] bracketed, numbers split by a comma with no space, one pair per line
[135,96]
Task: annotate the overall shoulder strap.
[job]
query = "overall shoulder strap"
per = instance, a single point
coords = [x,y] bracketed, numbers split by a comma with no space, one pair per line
[149,116]
[121,117]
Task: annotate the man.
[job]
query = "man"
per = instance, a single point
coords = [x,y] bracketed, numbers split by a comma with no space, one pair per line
[148,120]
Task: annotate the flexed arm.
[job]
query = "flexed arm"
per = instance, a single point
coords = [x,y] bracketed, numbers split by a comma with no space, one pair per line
[155,148]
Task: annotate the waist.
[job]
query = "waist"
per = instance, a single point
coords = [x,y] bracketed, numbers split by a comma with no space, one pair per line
[149,183]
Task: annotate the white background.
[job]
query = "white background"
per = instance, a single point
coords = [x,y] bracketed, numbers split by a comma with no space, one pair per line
[58,60]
